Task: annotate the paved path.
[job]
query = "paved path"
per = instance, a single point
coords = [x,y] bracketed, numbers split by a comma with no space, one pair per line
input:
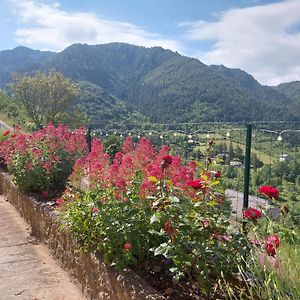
[236,199]
[27,271]
[4,126]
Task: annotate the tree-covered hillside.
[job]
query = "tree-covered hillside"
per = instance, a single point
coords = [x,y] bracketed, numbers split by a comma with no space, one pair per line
[21,60]
[160,85]
[292,91]
[105,110]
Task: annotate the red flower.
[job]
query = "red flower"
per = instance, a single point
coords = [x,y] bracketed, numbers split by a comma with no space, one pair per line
[218,174]
[274,239]
[167,160]
[196,184]
[272,242]
[169,229]
[5,133]
[59,201]
[45,194]
[270,249]
[269,191]
[251,213]
[127,246]
[120,183]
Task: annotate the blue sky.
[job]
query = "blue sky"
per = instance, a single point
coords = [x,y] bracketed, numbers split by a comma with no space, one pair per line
[261,37]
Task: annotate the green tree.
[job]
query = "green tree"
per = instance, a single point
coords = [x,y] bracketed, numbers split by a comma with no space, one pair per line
[230,153]
[256,162]
[3,101]
[112,145]
[45,98]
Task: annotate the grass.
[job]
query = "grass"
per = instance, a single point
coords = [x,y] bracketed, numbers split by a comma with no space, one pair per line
[264,157]
[4,118]
[265,282]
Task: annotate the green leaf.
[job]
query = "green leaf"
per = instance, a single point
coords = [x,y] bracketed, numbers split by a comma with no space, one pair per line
[174,199]
[155,218]
[162,249]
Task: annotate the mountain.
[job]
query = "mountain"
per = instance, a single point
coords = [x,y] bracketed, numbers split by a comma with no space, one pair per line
[154,84]
[21,60]
[292,91]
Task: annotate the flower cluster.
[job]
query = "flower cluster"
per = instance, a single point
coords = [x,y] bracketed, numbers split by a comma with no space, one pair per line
[269,191]
[265,245]
[272,242]
[145,203]
[42,160]
[251,214]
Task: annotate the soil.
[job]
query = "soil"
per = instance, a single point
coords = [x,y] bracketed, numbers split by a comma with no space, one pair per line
[186,289]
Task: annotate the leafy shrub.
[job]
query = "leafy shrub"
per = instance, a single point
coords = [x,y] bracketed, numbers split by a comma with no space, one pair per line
[147,206]
[43,160]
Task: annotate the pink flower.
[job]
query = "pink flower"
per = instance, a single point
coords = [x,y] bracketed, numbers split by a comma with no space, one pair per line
[251,213]
[47,166]
[127,146]
[59,202]
[29,166]
[255,242]
[120,183]
[269,191]
[127,246]
[95,210]
[269,261]
[205,223]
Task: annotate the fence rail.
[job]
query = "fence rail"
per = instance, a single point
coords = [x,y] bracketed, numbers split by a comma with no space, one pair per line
[267,154]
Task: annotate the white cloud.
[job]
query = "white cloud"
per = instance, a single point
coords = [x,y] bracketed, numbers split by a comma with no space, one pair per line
[263,40]
[48,26]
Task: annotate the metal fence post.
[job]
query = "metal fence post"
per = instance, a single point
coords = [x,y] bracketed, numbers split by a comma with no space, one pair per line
[247,166]
[89,139]
[247,172]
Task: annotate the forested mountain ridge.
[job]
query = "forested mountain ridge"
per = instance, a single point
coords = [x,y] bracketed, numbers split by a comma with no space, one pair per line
[160,85]
[21,60]
[292,91]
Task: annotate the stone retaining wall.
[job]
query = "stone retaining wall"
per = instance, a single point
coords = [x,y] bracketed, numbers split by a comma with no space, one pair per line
[95,279]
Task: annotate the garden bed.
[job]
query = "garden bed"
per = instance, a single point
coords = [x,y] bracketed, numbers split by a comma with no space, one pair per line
[96,280]
[164,218]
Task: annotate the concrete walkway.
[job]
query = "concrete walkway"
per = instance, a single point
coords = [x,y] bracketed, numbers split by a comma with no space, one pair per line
[27,271]
[236,199]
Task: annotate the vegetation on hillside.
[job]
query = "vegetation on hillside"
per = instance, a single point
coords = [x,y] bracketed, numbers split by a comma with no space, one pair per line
[161,85]
[45,98]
